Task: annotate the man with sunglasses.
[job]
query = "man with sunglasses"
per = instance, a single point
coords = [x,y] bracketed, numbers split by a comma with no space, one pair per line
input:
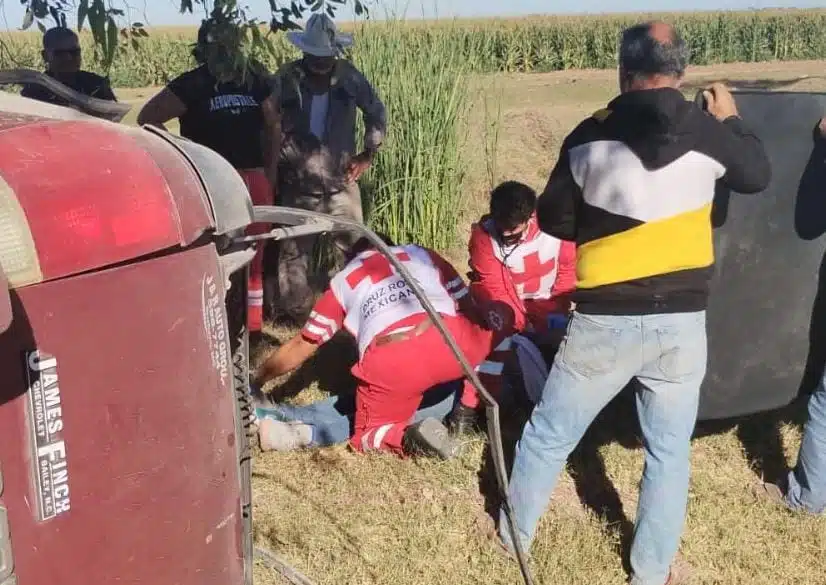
[62,55]
[514,262]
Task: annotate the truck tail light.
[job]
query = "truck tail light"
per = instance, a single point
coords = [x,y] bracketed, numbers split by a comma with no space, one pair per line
[18,256]
[78,196]
[102,228]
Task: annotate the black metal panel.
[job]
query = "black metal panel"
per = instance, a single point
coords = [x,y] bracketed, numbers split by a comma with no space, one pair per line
[766,323]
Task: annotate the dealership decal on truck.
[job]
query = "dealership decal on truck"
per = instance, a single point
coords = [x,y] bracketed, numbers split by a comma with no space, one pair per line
[46,416]
[212,298]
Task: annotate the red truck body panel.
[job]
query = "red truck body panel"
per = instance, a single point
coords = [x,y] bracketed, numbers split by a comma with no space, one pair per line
[119,460]
[148,428]
[95,194]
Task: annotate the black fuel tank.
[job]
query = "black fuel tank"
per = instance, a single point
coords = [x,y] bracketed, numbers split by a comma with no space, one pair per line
[767,311]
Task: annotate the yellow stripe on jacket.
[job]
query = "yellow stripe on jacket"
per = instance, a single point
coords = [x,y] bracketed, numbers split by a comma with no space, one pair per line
[677,243]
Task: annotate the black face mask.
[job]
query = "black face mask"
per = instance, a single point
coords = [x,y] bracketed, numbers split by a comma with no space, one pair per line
[510,239]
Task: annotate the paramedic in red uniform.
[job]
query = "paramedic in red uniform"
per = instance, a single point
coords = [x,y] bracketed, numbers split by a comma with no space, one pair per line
[513,261]
[235,119]
[401,354]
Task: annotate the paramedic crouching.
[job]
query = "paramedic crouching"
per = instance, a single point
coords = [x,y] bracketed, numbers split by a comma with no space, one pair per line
[372,302]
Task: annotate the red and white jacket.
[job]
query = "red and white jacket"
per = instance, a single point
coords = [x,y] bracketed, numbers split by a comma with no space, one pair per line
[369,298]
[536,277]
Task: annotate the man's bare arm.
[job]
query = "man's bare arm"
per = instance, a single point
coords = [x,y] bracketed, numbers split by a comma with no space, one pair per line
[272,137]
[324,321]
[285,359]
[162,108]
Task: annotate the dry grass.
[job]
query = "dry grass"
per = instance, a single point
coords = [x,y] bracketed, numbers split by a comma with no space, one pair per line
[352,519]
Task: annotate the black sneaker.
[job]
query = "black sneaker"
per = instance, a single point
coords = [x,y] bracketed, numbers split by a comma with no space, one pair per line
[463,419]
[430,437]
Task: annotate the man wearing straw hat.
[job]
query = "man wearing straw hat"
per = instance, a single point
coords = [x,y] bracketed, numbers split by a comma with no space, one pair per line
[318,164]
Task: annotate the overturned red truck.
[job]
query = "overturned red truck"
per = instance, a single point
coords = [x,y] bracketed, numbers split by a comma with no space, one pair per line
[124,401]
[122,443]
[124,407]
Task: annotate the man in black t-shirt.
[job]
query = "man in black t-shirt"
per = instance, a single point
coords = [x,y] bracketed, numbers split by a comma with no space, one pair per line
[233,117]
[62,55]
[224,116]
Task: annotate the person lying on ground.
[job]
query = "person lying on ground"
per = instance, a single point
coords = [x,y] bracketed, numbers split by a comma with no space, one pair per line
[236,118]
[330,421]
[633,187]
[513,261]
[62,56]
[401,354]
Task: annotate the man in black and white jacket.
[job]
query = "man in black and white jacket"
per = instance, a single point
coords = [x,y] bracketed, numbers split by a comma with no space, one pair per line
[633,187]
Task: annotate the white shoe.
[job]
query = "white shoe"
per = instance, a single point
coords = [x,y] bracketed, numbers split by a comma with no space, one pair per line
[275,435]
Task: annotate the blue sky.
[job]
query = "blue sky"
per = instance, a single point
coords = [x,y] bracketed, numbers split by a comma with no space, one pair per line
[165,12]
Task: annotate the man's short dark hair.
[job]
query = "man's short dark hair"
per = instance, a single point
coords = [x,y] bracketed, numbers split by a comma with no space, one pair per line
[643,54]
[364,243]
[56,34]
[512,203]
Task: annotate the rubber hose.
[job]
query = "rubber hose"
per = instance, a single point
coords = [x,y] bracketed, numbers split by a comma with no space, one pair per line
[276,563]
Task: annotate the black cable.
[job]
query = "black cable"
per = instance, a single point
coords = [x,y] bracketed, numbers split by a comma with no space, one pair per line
[273,561]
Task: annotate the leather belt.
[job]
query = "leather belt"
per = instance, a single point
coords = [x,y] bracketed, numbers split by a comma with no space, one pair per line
[402,335]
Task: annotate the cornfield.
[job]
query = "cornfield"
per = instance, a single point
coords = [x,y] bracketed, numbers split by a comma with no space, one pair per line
[539,44]
[414,190]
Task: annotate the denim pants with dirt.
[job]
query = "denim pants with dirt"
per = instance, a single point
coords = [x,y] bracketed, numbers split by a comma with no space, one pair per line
[332,418]
[600,355]
[296,293]
[806,489]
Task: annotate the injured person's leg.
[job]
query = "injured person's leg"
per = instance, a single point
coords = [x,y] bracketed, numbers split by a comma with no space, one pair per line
[285,427]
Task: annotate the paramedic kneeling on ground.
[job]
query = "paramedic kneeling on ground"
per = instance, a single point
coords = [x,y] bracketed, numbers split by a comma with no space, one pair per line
[633,187]
[401,354]
[514,262]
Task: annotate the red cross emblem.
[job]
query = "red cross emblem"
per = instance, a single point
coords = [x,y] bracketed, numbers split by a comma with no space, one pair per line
[533,272]
[375,267]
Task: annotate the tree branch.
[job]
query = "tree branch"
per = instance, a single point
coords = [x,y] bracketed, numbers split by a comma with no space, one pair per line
[238,38]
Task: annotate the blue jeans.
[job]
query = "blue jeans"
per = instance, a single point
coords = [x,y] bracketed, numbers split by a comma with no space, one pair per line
[807,481]
[332,418]
[600,355]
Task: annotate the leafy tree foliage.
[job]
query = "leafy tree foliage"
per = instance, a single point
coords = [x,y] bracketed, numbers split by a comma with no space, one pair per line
[238,38]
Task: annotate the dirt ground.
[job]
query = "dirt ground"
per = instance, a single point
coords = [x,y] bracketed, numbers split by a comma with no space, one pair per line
[342,518]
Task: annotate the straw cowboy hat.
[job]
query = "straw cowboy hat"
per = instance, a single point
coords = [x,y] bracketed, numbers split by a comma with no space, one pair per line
[319,37]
